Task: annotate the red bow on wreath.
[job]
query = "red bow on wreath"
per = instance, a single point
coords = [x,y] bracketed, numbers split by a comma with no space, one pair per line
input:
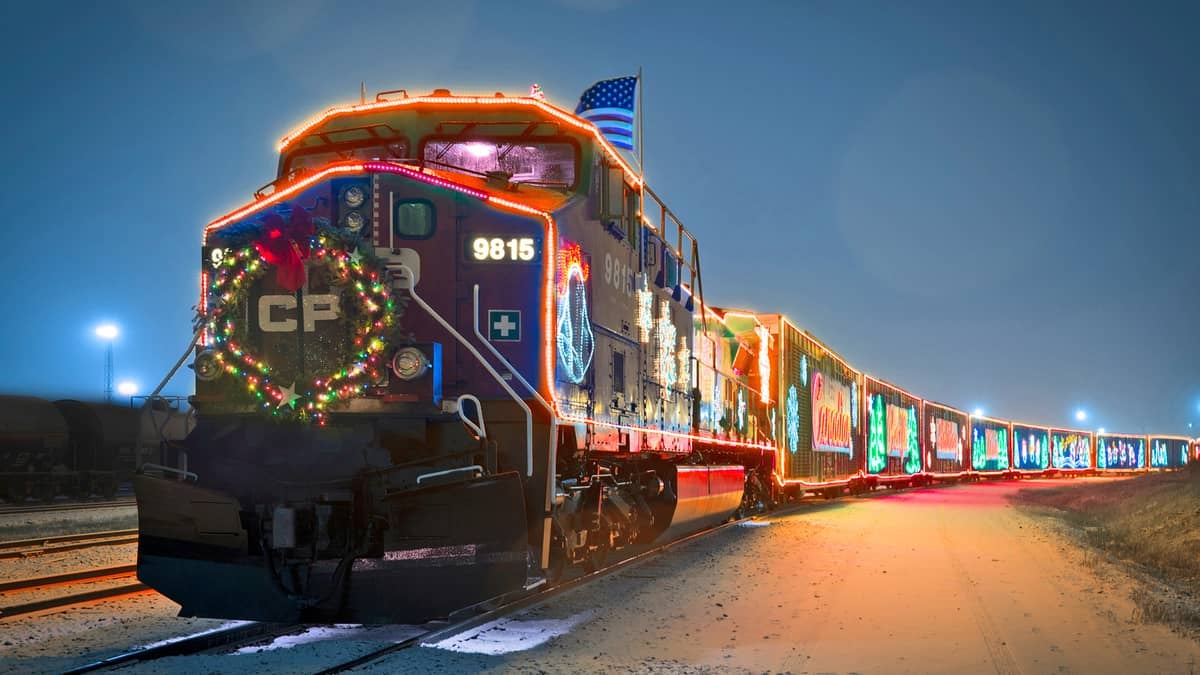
[286,246]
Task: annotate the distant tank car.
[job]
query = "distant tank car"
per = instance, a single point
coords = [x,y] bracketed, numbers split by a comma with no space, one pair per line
[70,449]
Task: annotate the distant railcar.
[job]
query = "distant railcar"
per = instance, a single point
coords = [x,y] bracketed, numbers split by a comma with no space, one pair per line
[1030,449]
[891,434]
[1169,452]
[947,432]
[1121,453]
[991,446]
[1072,452]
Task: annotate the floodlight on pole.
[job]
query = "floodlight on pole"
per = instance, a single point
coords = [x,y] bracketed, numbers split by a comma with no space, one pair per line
[1081,415]
[978,412]
[108,332]
[1101,431]
[127,388]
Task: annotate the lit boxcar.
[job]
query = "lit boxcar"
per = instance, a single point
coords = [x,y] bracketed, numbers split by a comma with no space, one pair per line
[892,430]
[1072,451]
[1030,448]
[946,431]
[1168,452]
[1120,452]
[990,447]
[815,399]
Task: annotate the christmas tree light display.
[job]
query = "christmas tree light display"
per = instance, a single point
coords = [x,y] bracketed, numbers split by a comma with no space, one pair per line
[876,435]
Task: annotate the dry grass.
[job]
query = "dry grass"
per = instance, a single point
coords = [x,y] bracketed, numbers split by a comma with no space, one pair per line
[1152,521]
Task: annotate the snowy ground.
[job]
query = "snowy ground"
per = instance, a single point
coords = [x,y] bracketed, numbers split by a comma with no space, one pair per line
[936,580]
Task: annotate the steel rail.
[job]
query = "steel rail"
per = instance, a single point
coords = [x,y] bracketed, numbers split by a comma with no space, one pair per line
[66,542]
[70,578]
[73,506]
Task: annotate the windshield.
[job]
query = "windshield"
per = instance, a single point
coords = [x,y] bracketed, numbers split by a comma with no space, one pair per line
[311,160]
[551,163]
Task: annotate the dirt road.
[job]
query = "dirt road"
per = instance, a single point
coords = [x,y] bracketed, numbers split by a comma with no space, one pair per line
[945,580]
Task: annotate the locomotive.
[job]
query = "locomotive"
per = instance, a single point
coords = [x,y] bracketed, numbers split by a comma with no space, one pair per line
[458,345]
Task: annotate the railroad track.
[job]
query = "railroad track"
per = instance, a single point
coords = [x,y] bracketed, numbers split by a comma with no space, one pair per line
[70,506]
[462,621]
[26,548]
[118,580]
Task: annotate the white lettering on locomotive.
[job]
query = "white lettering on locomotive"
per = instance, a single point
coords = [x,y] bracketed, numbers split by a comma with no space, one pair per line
[322,307]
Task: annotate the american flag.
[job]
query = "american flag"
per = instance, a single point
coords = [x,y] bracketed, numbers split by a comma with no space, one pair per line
[609,105]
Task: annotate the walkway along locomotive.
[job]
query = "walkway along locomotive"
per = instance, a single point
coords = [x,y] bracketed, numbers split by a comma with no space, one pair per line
[459,344]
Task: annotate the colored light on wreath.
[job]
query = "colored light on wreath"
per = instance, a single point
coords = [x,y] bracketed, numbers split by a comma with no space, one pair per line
[575,340]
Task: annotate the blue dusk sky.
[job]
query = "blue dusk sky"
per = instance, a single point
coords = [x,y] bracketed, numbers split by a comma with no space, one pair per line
[991,205]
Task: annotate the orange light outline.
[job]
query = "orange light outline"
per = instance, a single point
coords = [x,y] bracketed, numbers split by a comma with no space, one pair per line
[634,177]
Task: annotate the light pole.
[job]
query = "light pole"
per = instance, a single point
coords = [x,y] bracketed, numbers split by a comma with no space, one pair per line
[108,332]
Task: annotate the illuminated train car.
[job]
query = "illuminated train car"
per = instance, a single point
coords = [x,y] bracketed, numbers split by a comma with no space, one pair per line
[442,353]
[1030,449]
[990,446]
[947,432]
[1072,452]
[1169,452]
[815,412]
[1121,453]
[892,434]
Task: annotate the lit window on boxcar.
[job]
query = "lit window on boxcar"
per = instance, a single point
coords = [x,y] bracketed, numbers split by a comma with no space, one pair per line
[413,219]
[548,164]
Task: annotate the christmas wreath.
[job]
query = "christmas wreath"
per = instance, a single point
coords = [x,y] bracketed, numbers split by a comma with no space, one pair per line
[301,252]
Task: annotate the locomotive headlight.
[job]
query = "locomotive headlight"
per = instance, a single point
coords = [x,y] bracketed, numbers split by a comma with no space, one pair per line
[353,221]
[354,196]
[207,365]
[409,364]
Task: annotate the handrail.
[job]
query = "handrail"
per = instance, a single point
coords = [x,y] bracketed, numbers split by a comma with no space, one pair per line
[447,472]
[481,427]
[170,469]
[137,448]
[552,459]
[406,277]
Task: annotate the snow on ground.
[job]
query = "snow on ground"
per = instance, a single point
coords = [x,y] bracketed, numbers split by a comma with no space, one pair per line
[942,580]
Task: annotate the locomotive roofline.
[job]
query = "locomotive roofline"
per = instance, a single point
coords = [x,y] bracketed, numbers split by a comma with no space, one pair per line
[443,98]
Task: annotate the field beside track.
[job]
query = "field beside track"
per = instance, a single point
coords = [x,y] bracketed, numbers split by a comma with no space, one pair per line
[1148,523]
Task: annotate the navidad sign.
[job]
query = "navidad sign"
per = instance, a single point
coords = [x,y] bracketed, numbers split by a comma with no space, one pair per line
[831,415]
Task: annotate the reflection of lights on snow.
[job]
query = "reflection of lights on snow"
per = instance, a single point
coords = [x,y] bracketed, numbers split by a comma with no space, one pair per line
[755,523]
[505,636]
[340,632]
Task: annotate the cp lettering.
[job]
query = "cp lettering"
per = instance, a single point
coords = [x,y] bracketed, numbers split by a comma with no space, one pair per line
[316,308]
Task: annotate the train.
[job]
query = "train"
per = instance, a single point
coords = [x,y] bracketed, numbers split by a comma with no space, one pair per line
[458,346]
[53,451]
